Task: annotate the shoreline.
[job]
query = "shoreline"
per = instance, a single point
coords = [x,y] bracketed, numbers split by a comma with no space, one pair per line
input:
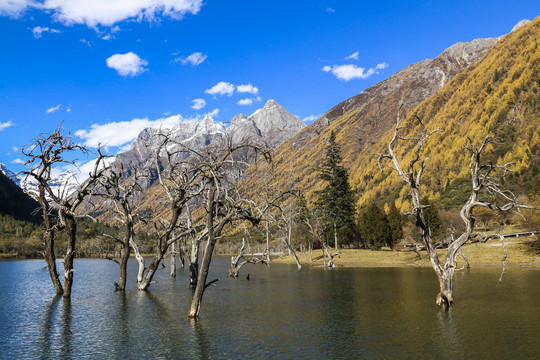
[521,254]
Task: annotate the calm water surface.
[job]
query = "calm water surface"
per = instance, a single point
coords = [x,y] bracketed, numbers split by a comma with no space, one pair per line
[281,313]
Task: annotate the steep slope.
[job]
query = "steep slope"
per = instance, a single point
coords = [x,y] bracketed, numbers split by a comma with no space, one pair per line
[15,203]
[362,120]
[499,94]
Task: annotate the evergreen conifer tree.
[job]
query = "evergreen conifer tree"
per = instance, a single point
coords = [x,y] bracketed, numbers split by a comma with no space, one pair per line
[395,221]
[433,220]
[336,200]
[374,227]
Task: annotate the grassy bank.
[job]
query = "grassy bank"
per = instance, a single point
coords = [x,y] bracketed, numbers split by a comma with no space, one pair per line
[522,252]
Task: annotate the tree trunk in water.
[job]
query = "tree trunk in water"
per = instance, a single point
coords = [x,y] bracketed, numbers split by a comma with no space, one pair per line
[446,281]
[173,259]
[235,269]
[207,257]
[71,228]
[203,275]
[140,260]
[48,240]
[145,283]
[124,252]
[50,259]
[194,262]
[124,256]
[235,261]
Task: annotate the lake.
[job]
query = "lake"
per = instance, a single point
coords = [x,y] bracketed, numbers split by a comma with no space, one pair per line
[280,313]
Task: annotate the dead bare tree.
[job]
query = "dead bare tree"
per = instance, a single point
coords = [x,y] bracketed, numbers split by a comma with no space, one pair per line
[122,193]
[482,181]
[287,221]
[241,259]
[180,179]
[314,222]
[222,203]
[58,208]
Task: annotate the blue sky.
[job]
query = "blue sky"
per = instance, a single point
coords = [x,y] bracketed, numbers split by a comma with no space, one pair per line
[110,67]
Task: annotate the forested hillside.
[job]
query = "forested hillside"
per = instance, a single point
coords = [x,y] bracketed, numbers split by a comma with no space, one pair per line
[499,93]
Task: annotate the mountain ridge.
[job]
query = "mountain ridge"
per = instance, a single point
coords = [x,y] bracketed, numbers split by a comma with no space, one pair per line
[362,122]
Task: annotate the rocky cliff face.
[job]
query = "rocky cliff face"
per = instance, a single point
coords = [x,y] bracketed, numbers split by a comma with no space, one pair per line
[141,155]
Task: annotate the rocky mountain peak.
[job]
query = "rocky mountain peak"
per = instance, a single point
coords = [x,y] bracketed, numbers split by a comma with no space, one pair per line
[271,103]
[468,52]
[238,119]
[274,117]
[520,24]
[206,126]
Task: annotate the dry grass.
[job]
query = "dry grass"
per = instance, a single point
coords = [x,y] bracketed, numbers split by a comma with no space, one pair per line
[522,252]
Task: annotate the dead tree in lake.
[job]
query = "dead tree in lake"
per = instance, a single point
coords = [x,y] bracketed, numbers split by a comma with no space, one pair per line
[222,204]
[58,207]
[123,196]
[241,259]
[180,180]
[482,181]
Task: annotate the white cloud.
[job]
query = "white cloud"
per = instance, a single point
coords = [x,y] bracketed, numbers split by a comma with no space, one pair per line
[349,72]
[5,125]
[129,64]
[194,59]
[311,118]
[83,170]
[103,12]
[198,104]
[84,41]
[247,89]
[212,113]
[123,132]
[15,149]
[353,56]
[18,161]
[221,88]
[53,109]
[38,31]
[14,7]
[247,101]
[329,9]
[108,35]
[68,109]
